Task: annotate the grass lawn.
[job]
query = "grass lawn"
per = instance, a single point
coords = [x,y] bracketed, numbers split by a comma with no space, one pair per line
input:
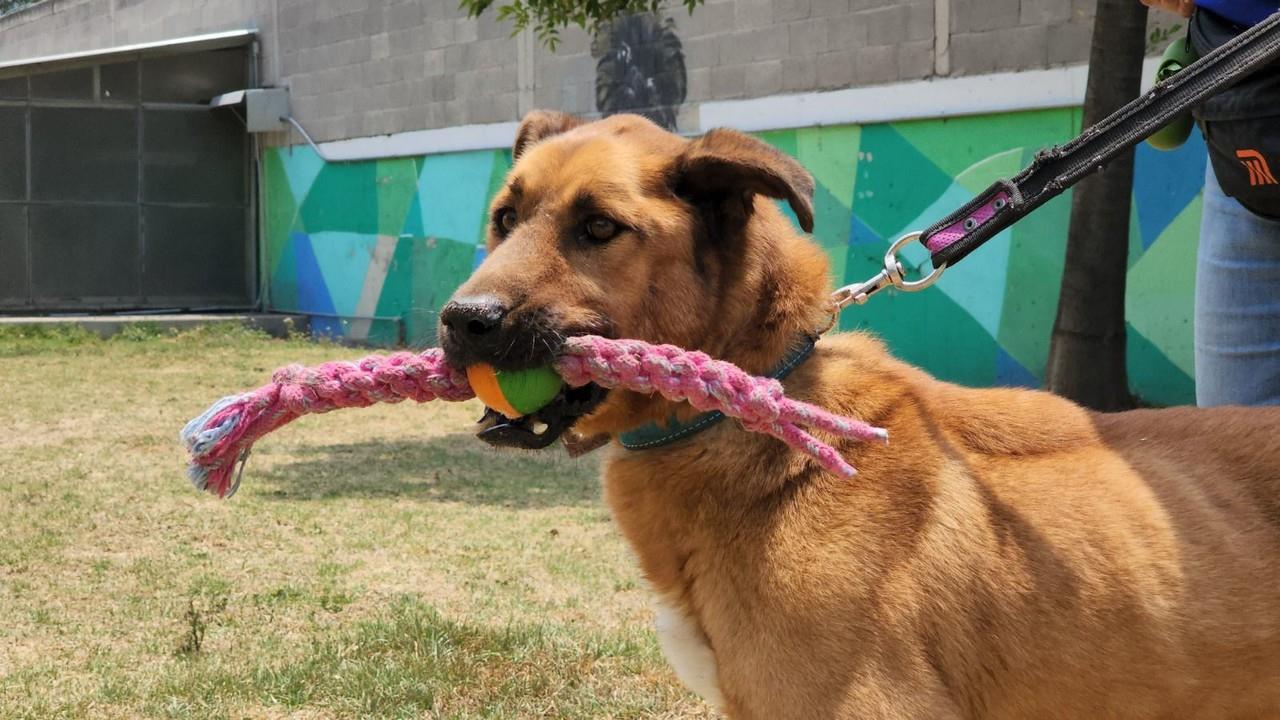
[375,563]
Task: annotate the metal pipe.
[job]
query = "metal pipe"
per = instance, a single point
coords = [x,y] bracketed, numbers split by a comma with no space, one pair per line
[323,156]
[379,156]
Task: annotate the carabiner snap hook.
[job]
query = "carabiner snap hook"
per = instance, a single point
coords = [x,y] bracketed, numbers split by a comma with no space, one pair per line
[891,276]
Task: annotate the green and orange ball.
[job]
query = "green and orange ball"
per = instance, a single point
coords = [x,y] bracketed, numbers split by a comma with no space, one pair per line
[514,393]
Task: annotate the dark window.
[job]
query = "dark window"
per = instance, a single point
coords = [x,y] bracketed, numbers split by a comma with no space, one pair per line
[13,255]
[193,157]
[84,154]
[13,153]
[193,78]
[74,84]
[80,251]
[119,83]
[13,88]
[195,251]
[119,188]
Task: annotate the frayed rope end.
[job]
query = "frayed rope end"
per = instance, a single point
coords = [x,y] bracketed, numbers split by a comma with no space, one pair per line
[200,438]
[216,479]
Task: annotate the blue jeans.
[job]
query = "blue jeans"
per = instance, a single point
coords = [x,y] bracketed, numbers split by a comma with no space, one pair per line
[1237,323]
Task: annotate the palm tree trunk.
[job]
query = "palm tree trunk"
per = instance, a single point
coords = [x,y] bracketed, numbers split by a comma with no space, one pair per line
[1087,351]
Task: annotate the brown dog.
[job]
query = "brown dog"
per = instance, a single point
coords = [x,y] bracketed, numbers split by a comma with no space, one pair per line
[1006,555]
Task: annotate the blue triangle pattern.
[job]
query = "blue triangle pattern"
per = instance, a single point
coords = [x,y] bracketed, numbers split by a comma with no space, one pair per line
[861,234]
[313,294]
[343,258]
[301,166]
[1164,182]
[1011,373]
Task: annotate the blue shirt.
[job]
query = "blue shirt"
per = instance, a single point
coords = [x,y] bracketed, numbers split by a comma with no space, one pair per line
[1241,12]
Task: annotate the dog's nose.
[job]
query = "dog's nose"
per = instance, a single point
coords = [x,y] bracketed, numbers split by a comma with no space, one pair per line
[472,317]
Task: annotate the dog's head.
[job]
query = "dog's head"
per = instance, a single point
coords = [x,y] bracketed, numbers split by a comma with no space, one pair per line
[615,228]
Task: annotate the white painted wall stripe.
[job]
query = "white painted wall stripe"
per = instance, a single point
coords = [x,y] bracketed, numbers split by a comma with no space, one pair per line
[374,278]
[424,142]
[921,99]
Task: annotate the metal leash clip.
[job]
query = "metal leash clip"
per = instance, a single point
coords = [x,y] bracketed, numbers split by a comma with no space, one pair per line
[891,276]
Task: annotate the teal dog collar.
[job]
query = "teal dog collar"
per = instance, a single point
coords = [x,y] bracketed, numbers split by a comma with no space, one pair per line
[653,435]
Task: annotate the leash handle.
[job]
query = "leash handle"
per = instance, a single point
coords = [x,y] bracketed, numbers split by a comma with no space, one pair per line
[1058,168]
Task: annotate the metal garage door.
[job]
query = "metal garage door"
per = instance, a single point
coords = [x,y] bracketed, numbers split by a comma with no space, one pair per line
[120,189]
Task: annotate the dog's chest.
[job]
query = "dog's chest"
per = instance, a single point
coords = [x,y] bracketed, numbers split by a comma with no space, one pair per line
[687,650]
[690,545]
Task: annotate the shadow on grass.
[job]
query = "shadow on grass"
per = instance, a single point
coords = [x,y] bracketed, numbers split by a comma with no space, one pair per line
[451,468]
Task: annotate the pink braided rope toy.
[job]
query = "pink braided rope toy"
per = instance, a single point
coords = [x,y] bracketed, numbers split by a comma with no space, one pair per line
[219,440]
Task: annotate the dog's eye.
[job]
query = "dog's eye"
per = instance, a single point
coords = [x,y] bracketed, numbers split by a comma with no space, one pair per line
[505,220]
[601,229]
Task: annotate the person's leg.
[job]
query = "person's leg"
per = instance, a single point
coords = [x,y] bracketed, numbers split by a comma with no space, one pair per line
[1237,319]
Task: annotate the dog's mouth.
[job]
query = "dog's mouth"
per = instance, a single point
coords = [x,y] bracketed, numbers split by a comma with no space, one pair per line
[538,430]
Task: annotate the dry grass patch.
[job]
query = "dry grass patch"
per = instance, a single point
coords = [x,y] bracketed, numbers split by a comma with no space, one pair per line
[376,563]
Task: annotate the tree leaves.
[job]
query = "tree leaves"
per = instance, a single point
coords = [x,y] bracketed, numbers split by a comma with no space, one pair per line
[549,17]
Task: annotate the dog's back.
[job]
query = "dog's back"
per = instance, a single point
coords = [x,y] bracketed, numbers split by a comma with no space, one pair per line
[1121,565]
[1007,555]
[1212,480]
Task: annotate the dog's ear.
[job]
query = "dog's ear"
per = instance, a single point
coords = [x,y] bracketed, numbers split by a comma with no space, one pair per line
[729,166]
[539,125]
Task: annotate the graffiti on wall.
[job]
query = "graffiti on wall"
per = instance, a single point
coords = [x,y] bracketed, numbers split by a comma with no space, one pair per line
[640,68]
[373,249]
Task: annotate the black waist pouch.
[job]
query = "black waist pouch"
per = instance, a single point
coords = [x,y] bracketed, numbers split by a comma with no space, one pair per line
[1241,125]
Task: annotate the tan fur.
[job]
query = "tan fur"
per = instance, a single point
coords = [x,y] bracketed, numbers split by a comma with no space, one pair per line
[1006,555]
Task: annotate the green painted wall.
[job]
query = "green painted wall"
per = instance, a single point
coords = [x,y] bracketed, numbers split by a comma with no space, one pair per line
[391,239]
[373,249]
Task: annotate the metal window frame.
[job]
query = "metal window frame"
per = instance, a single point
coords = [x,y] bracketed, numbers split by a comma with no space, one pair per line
[254,282]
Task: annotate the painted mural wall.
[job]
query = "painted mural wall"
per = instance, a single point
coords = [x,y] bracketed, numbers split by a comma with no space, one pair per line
[372,250]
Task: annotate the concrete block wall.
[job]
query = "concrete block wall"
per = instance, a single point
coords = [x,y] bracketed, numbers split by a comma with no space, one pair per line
[754,48]
[360,68]
[54,27]
[993,35]
[355,68]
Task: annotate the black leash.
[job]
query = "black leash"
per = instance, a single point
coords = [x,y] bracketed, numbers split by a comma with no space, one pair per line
[1057,169]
